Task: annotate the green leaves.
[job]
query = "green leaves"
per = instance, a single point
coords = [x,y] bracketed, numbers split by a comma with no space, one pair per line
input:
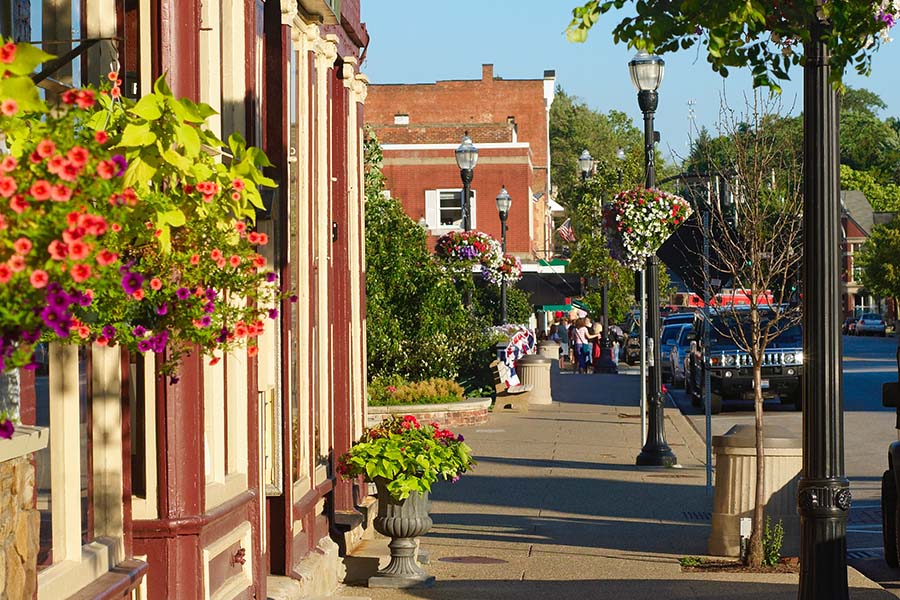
[26,60]
[137,134]
[409,456]
[761,35]
[23,91]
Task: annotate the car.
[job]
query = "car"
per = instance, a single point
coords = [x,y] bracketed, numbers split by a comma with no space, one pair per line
[848,327]
[871,324]
[678,354]
[890,480]
[730,368]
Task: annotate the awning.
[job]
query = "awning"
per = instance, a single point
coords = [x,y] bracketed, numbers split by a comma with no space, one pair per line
[550,288]
[556,307]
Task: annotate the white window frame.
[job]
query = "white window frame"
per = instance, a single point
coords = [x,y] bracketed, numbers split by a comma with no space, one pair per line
[433,211]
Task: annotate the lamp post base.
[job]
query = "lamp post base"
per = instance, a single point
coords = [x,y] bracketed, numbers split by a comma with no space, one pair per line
[656,457]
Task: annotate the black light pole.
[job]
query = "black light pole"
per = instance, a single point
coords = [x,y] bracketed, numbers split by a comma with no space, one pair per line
[504,202]
[466,158]
[646,73]
[823,491]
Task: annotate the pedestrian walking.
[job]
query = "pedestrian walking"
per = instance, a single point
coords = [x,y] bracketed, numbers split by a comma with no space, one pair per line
[582,344]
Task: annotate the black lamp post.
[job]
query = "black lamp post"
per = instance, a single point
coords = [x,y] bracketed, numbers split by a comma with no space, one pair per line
[646,74]
[466,157]
[823,491]
[503,204]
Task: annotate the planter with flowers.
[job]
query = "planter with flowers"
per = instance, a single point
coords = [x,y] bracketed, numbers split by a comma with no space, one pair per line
[638,221]
[404,458]
[121,223]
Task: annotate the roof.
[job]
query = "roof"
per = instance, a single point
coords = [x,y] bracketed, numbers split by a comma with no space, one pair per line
[858,208]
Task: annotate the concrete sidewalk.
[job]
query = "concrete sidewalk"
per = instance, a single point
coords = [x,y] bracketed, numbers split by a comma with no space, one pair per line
[557,509]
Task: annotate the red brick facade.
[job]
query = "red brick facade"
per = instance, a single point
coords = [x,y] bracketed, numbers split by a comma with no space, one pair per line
[420,126]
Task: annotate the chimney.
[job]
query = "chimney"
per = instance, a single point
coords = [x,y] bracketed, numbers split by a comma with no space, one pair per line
[487,73]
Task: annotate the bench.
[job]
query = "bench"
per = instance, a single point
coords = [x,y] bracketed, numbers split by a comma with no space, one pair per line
[509,397]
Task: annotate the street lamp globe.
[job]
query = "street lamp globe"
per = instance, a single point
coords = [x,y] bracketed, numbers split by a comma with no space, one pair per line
[620,154]
[503,202]
[466,154]
[585,161]
[646,71]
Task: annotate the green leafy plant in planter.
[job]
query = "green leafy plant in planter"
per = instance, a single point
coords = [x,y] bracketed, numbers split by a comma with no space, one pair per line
[409,456]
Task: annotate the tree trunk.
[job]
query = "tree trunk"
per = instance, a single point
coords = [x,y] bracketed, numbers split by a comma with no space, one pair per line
[755,555]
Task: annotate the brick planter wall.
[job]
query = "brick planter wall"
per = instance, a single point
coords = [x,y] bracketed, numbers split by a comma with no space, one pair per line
[473,411]
[19,530]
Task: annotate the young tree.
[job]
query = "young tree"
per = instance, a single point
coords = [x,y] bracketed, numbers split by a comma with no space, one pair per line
[756,244]
[880,260]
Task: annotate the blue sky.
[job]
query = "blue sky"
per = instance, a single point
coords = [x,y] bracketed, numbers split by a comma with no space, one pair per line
[417,42]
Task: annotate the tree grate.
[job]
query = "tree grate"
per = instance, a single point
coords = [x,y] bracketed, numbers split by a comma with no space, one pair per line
[697,516]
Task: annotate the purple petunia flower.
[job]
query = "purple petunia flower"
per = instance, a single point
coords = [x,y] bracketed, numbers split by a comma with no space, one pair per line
[162,309]
[132,282]
[121,163]
[209,307]
[460,438]
[205,321]
[210,294]
[6,429]
[109,331]
[270,276]
[182,293]
[139,331]
[273,313]
[173,380]
[143,345]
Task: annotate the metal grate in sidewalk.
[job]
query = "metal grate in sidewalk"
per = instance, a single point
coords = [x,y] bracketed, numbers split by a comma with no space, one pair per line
[697,515]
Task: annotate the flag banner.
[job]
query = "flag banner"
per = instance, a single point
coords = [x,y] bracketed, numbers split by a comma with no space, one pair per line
[566,232]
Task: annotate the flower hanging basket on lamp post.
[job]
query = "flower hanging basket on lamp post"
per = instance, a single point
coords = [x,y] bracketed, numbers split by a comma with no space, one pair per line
[638,221]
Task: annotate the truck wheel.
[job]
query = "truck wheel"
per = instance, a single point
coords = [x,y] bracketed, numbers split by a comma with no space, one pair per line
[889,518]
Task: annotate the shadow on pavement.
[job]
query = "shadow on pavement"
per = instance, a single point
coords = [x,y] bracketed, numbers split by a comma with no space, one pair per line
[593,589]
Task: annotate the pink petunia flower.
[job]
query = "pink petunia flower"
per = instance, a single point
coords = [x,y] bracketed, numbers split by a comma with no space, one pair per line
[39,279]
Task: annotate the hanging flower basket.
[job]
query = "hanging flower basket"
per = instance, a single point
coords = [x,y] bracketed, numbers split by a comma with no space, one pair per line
[638,221]
[509,270]
[465,249]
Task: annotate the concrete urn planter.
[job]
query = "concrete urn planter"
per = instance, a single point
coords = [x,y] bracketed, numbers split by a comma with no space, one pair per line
[402,521]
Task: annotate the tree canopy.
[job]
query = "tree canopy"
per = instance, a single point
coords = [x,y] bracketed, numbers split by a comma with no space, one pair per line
[879,259]
[767,37]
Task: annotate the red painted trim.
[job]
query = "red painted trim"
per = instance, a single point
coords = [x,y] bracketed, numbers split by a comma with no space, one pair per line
[342,405]
[306,504]
[178,51]
[192,525]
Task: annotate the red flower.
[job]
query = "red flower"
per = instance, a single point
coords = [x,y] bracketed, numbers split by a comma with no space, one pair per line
[39,279]
[8,52]
[80,272]
[60,193]
[78,250]
[106,169]
[40,189]
[101,137]
[105,257]
[45,148]
[18,203]
[58,250]
[22,246]
[156,283]
[5,273]
[9,107]
[7,186]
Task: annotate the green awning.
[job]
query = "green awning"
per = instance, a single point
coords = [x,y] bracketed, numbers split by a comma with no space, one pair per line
[557,308]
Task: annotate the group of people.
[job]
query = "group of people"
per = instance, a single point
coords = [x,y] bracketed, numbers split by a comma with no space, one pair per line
[580,343]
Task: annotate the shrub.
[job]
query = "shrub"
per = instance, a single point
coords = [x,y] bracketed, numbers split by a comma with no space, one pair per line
[773,537]
[385,392]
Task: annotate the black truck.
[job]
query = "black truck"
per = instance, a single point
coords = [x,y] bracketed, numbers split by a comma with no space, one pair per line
[731,369]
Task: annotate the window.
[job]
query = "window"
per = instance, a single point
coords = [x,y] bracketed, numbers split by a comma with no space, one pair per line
[443,210]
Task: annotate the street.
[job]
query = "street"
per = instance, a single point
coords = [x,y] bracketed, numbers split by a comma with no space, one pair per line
[868,431]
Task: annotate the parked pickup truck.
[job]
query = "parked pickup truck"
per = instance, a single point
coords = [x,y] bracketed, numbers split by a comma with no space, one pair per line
[731,369]
[890,481]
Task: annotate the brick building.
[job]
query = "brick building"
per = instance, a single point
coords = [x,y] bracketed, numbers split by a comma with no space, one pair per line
[121,484]
[420,127]
[857,220]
